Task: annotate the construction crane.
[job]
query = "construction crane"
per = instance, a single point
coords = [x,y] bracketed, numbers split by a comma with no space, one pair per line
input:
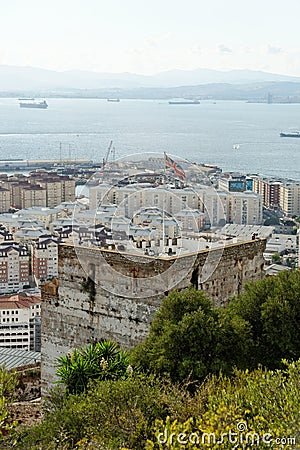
[104,162]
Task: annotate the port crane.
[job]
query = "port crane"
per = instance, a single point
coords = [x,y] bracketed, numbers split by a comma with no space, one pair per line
[104,162]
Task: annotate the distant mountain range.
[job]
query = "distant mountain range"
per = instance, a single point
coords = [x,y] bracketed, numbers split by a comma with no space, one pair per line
[234,84]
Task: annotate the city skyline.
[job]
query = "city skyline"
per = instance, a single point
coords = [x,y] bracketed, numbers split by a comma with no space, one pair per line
[148,38]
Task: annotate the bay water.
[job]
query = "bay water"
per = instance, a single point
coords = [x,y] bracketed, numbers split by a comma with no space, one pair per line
[234,135]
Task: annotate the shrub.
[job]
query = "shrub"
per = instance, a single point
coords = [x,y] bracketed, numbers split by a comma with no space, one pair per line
[104,360]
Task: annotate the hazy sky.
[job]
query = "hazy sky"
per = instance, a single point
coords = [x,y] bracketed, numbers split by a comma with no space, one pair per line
[151,36]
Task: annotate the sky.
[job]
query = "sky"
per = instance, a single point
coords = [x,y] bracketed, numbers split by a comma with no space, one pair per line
[151,36]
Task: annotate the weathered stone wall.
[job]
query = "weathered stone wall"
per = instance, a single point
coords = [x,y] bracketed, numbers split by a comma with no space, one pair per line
[106,294]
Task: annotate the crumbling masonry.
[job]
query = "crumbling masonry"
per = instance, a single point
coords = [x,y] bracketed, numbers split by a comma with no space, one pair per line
[113,295]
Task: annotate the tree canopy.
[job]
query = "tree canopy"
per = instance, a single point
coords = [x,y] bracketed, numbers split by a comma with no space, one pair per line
[190,338]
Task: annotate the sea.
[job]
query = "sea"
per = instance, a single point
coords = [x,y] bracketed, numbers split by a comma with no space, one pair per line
[234,135]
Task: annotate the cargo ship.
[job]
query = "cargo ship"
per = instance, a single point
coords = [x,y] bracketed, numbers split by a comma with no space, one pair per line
[32,103]
[184,102]
[291,134]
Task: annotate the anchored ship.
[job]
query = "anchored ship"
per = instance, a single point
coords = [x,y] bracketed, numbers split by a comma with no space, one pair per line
[291,134]
[184,102]
[32,103]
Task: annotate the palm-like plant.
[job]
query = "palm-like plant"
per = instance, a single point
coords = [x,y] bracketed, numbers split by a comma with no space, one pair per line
[103,360]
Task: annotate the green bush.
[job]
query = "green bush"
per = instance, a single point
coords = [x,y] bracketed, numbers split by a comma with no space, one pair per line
[271,307]
[190,338]
[130,413]
[112,414]
[8,385]
[104,360]
[253,409]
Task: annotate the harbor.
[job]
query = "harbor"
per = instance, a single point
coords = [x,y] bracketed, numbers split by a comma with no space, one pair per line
[28,164]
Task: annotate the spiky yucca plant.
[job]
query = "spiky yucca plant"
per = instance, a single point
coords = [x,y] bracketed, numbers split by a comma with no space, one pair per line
[104,360]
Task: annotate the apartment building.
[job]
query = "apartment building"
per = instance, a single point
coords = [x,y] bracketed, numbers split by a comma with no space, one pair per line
[4,200]
[16,188]
[5,236]
[67,189]
[14,267]
[33,195]
[290,199]
[134,197]
[216,207]
[44,257]
[219,207]
[58,188]
[40,188]
[20,321]
[43,215]
[222,207]
[272,194]
[234,182]
[269,189]
[53,190]
[244,208]
[190,220]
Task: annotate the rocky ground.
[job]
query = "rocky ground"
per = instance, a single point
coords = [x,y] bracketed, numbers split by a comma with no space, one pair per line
[26,413]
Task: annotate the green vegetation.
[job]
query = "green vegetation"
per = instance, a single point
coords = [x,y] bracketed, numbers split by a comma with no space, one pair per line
[257,408]
[190,338]
[272,309]
[201,370]
[113,414]
[134,413]
[101,361]
[88,285]
[271,220]
[276,259]
[8,384]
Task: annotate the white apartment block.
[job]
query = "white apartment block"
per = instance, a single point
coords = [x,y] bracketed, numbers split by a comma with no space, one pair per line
[14,267]
[133,198]
[190,220]
[290,199]
[219,207]
[20,325]
[281,193]
[245,208]
[215,206]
